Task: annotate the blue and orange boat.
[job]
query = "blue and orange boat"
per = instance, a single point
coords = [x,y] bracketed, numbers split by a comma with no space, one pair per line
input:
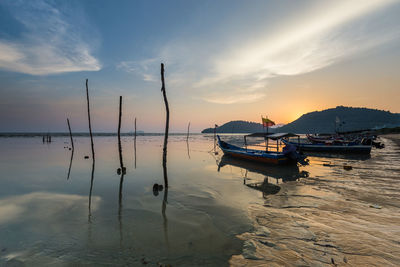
[278,156]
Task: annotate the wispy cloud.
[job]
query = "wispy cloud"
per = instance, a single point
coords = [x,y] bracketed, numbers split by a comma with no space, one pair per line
[50,43]
[145,68]
[240,72]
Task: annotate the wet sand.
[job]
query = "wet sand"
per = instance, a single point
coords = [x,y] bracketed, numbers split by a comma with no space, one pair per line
[335,217]
[393,137]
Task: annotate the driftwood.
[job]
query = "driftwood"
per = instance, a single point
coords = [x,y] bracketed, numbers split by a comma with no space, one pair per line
[166,125]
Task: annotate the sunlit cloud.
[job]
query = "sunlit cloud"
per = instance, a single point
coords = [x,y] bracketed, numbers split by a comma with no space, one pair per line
[50,43]
[240,72]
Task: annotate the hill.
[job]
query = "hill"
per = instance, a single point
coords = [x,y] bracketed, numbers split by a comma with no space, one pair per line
[350,119]
[237,127]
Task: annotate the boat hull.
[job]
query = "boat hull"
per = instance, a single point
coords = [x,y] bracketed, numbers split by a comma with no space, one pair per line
[345,149]
[262,159]
[274,158]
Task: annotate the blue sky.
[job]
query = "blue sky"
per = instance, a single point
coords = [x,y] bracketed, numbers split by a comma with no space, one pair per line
[224,60]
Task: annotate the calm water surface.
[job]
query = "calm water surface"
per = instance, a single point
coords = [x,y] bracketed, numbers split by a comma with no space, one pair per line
[45,216]
[216,210]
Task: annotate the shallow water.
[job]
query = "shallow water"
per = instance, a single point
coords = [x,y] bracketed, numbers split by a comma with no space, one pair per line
[213,212]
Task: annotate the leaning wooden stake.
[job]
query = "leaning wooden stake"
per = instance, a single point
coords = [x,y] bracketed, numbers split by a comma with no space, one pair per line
[90,126]
[166,123]
[70,134]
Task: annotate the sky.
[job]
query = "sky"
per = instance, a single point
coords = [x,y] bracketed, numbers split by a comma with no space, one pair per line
[224,60]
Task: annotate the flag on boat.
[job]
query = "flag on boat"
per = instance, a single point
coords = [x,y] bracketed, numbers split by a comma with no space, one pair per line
[267,122]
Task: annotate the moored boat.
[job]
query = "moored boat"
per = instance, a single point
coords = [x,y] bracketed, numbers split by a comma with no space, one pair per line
[348,148]
[286,156]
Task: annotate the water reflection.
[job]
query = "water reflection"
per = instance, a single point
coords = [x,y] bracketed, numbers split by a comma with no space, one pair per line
[203,218]
[90,192]
[285,173]
[187,146]
[134,151]
[267,187]
[70,163]
[165,219]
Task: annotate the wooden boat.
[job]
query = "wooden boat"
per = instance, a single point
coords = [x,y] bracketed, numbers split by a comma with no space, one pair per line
[348,148]
[265,156]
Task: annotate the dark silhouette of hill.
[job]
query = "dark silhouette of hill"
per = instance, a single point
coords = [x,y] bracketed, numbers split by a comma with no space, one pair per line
[350,119]
[237,127]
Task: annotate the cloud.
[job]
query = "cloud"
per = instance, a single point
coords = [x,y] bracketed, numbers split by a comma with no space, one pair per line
[145,68]
[49,44]
[239,72]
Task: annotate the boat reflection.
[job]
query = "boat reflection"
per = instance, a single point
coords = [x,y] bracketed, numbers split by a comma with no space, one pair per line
[277,173]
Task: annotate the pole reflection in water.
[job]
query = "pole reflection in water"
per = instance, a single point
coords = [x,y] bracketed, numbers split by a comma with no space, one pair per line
[164,205]
[121,182]
[134,149]
[90,203]
[70,163]
[187,146]
[90,192]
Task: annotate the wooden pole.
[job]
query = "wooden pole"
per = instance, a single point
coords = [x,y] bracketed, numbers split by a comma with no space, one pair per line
[166,124]
[215,138]
[90,126]
[70,134]
[135,128]
[119,135]
[187,136]
[134,142]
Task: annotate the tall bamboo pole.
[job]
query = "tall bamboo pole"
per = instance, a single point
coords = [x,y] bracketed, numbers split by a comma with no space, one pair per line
[166,124]
[90,126]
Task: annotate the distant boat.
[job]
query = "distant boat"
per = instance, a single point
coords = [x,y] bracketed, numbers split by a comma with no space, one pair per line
[331,147]
[286,156]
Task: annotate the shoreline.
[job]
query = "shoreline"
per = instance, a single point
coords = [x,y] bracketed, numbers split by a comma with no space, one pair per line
[334,217]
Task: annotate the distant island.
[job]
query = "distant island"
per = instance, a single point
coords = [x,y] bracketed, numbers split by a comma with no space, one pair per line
[326,121]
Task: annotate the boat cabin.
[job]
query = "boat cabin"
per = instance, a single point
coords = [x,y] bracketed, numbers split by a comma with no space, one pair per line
[272,141]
